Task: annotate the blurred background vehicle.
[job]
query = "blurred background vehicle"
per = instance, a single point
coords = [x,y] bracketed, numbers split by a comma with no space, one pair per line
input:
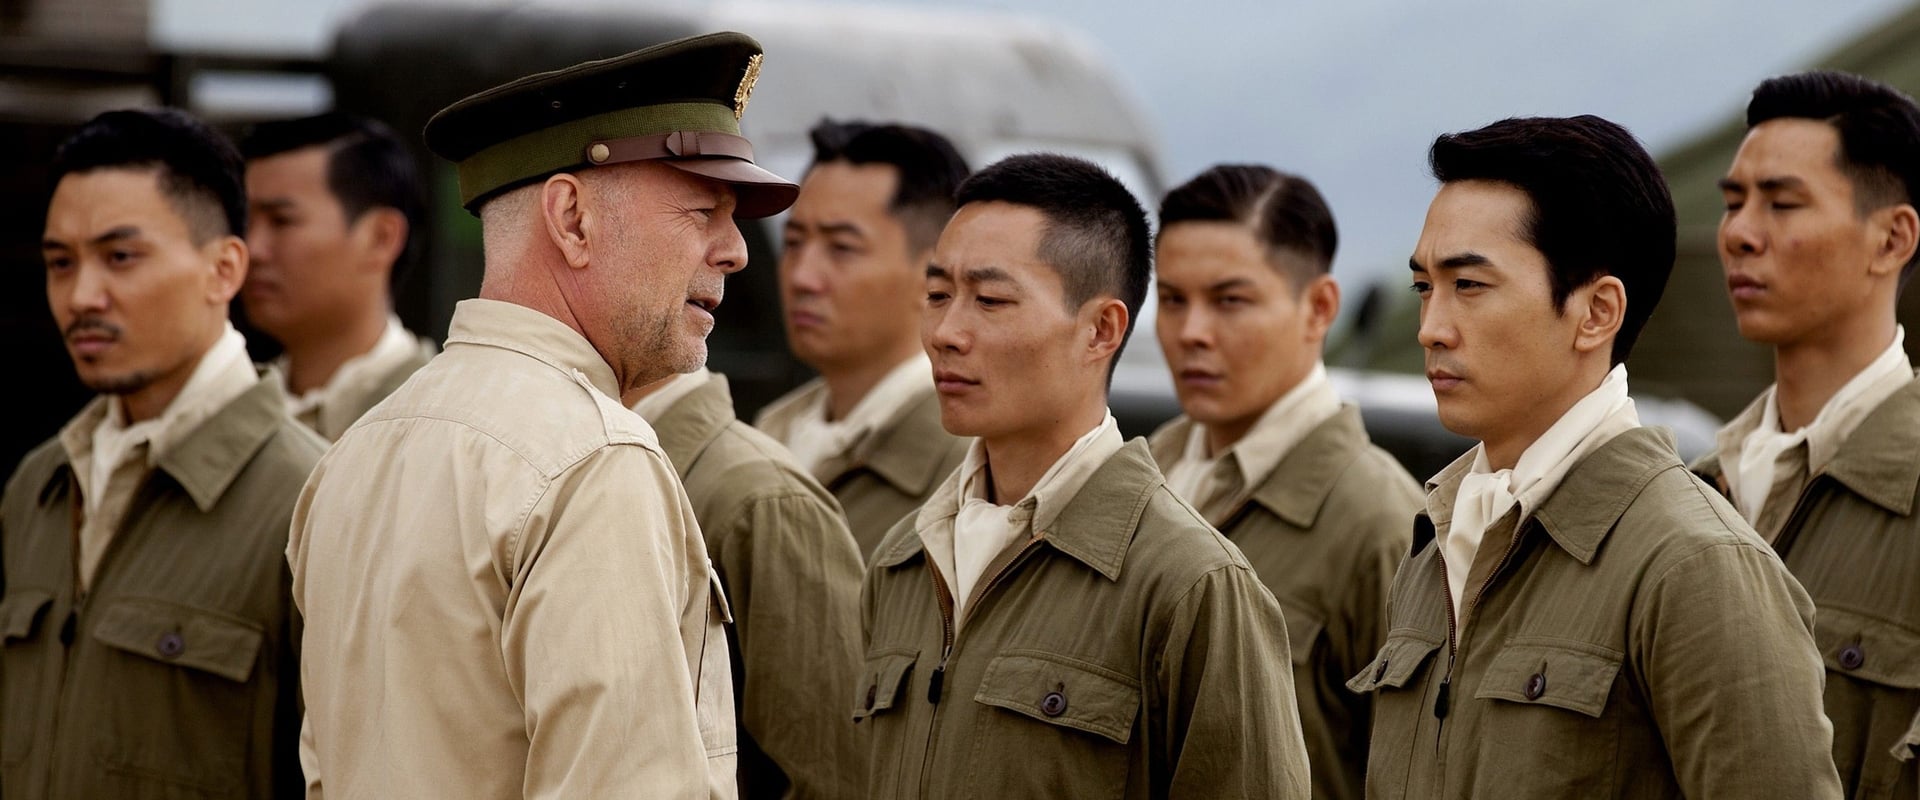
[996,82]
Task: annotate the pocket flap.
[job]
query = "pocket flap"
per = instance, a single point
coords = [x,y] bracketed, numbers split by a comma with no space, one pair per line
[20,611]
[1303,630]
[1868,648]
[174,634]
[719,596]
[1396,663]
[882,681]
[1566,675]
[1062,691]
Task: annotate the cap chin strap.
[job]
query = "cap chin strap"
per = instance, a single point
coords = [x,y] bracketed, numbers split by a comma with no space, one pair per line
[675,144]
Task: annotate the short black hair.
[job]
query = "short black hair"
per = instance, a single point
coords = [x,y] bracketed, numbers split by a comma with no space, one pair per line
[1600,204]
[1096,235]
[198,169]
[368,166]
[1879,129]
[1285,212]
[929,166]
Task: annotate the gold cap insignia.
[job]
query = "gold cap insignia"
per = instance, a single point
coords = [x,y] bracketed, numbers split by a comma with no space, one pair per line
[747,81]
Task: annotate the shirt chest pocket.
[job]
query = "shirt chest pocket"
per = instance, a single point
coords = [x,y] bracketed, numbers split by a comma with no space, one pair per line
[176,686]
[1053,726]
[1547,707]
[1399,707]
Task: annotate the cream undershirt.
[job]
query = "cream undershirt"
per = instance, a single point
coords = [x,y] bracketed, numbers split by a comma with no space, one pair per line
[1750,470]
[814,439]
[652,407]
[1485,495]
[1197,476]
[111,457]
[969,531]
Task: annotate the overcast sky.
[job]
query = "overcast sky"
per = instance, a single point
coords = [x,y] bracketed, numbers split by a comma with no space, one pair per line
[1348,93]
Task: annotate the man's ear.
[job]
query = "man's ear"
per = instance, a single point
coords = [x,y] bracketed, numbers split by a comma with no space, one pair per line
[383,232]
[230,262]
[1898,236]
[1109,327]
[563,209]
[1602,308]
[1323,304]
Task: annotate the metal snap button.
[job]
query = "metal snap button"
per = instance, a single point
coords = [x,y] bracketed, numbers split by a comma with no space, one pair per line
[1536,686]
[1054,704]
[171,646]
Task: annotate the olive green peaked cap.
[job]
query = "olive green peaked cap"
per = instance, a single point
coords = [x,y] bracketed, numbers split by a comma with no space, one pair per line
[678,102]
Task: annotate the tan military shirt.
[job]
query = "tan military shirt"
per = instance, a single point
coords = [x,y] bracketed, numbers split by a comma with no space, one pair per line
[1633,639]
[889,469]
[174,674]
[1852,537]
[505,590]
[1325,528]
[1126,650]
[362,381]
[792,577]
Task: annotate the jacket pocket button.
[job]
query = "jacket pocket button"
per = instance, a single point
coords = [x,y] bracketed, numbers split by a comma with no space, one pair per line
[171,646]
[871,693]
[1852,657]
[1381,673]
[1536,686]
[1054,704]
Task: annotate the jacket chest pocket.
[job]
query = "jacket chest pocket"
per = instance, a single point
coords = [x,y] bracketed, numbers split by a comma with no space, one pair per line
[24,662]
[177,687]
[1053,727]
[1398,707]
[1873,683]
[879,706]
[1548,709]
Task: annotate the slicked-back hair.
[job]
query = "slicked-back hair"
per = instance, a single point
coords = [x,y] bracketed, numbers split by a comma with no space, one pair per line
[1599,204]
[198,169]
[1096,233]
[1285,212]
[930,169]
[368,167]
[1879,129]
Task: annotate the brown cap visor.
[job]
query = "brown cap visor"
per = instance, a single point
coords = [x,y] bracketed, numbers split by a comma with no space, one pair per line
[720,156]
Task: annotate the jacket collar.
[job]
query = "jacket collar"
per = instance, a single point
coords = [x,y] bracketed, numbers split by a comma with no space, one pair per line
[908,450]
[207,460]
[1297,488]
[694,421]
[1097,526]
[1877,461]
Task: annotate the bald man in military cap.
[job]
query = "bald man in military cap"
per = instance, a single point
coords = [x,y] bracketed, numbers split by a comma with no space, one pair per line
[504,588]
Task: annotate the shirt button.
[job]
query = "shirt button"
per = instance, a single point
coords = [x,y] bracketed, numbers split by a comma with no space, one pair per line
[171,646]
[1536,686]
[871,691]
[1054,704]
[1852,657]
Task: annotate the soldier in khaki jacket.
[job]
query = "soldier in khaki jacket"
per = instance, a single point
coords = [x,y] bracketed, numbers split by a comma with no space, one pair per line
[1581,617]
[857,242]
[1055,622]
[791,573]
[1265,449]
[505,590]
[150,642]
[335,202]
[1817,240]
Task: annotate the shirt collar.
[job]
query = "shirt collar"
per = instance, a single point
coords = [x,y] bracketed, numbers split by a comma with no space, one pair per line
[514,327]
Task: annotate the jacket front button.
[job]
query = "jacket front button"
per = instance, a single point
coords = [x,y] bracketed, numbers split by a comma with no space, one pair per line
[870,695]
[171,646]
[1852,657]
[1054,704]
[1536,686]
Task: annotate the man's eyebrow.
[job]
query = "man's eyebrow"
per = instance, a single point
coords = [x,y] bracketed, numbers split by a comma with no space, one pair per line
[937,271]
[986,275]
[1774,184]
[1455,261]
[273,203]
[1230,283]
[117,234]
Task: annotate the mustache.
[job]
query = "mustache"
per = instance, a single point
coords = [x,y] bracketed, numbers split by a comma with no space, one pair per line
[94,325]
